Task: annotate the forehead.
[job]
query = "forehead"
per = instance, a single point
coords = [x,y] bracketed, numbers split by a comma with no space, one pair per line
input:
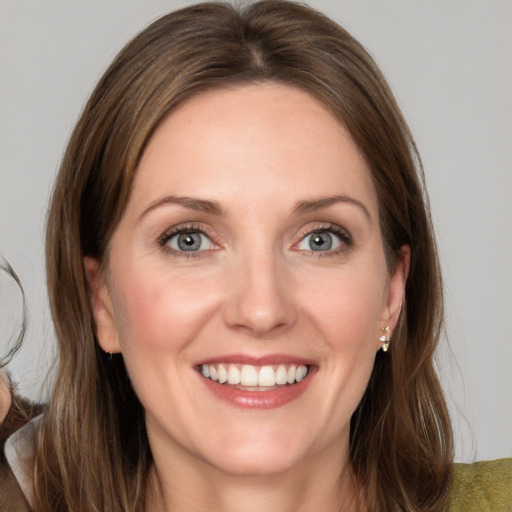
[249,143]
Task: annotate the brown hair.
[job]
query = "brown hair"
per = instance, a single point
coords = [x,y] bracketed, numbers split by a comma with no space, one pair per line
[93,453]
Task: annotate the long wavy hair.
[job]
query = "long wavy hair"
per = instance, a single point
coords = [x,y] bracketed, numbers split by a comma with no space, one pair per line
[92,450]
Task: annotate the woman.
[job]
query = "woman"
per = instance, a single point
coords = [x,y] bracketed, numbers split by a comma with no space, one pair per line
[243,280]
[15,412]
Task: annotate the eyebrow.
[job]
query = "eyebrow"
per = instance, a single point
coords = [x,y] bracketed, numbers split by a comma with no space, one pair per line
[192,203]
[215,208]
[324,202]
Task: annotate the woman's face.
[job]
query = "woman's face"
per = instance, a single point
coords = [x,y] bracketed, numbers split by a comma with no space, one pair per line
[250,250]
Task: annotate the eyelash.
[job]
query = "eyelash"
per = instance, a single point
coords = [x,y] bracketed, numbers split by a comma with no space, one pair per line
[182,230]
[344,236]
[341,233]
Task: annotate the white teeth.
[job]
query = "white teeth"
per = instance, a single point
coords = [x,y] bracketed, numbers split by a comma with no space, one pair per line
[300,373]
[281,375]
[291,374]
[233,375]
[223,374]
[266,377]
[248,376]
[253,376]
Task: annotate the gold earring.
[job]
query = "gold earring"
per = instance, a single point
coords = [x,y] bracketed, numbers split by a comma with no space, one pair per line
[385,338]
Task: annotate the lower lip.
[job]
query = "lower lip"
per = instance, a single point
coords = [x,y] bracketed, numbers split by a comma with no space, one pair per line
[258,399]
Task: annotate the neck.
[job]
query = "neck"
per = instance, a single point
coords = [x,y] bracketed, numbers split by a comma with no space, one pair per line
[322,484]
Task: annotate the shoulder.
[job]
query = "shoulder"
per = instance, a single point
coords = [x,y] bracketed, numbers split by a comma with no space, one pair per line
[13,436]
[482,487]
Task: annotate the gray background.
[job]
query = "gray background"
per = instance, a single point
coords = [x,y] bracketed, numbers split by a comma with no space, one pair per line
[450,65]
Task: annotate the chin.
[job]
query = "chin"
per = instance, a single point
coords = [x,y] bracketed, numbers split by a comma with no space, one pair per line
[257,455]
[256,465]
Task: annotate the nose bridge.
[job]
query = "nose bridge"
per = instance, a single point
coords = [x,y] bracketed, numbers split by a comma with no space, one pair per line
[260,302]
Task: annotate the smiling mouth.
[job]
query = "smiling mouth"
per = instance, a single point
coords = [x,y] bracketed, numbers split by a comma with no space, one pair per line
[254,378]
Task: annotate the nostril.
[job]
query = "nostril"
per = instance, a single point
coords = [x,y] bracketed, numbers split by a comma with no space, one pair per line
[259,321]
[259,302]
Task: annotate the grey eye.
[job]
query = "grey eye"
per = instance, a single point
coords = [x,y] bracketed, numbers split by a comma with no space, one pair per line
[189,242]
[320,241]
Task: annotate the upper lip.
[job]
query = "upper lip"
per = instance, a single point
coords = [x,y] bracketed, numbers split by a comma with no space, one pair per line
[266,360]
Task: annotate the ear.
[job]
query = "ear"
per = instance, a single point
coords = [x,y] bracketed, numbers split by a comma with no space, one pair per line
[106,330]
[396,290]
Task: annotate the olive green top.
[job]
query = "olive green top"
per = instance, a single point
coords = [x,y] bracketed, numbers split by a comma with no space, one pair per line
[483,487]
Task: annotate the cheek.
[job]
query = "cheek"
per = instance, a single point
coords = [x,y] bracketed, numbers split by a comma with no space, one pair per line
[159,312]
[158,317]
[348,308]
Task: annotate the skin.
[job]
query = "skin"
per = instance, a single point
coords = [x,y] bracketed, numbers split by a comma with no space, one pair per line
[256,287]
[5,396]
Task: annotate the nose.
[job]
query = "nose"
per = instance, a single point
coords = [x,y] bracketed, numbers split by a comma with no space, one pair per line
[260,301]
